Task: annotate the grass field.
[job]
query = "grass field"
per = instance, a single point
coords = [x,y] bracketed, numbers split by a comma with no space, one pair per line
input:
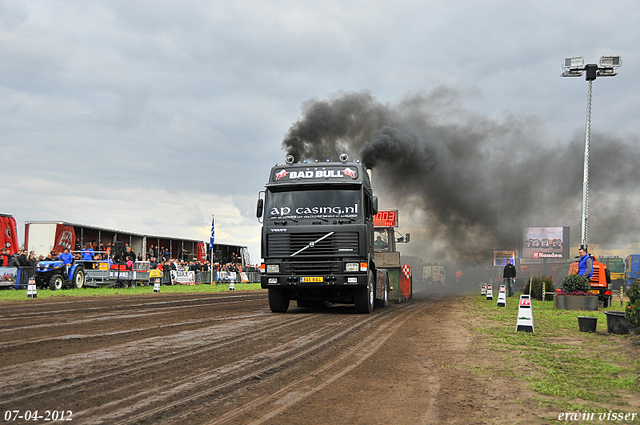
[16,295]
[570,370]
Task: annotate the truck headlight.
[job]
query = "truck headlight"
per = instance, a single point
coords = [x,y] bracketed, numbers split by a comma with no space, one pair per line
[273,268]
[352,267]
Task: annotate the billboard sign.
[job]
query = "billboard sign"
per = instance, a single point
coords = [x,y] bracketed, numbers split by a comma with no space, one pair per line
[545,242]
[500,258]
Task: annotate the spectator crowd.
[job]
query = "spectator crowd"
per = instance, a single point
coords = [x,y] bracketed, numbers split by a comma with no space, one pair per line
[92,254]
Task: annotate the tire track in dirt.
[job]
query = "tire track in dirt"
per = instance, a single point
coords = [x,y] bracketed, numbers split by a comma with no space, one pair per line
[56,375]
[275,402]
[77,329]
[295,392]
[235,377]
[235,363]
[140,308]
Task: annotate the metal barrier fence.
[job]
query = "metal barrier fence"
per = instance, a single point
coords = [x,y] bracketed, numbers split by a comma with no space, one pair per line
[25,273]
[96,277]
[226,277]
[218,278]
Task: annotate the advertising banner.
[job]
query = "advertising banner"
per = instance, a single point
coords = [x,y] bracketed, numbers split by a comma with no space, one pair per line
[545,242]
[8,276]
[65,238]
[500,257]
[201,251]
[183,277]
[9,236]
[226,276]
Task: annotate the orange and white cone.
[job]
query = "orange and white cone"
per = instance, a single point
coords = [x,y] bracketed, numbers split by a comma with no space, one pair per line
[489,292]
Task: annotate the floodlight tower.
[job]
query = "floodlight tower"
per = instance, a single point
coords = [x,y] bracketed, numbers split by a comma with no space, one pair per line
[574,67]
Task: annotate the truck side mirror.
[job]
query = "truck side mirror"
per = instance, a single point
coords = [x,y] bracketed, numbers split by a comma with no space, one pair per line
[407,237]
[374,205]
[259,207]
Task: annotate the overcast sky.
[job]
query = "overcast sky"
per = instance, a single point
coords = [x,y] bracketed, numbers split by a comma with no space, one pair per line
[149,116]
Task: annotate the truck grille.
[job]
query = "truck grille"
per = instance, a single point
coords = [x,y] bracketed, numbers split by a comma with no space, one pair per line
[311,268]
[338,244]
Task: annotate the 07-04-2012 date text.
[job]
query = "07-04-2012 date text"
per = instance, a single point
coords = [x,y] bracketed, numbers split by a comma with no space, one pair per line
[35,415]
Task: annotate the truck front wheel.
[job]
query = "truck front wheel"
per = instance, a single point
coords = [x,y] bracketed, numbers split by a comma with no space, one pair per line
[364,297]
[278,300]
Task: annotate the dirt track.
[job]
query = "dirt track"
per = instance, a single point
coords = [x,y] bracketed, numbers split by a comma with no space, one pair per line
[226,359]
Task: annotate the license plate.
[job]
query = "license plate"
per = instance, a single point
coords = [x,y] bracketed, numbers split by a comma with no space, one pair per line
[311,279]
[594,291]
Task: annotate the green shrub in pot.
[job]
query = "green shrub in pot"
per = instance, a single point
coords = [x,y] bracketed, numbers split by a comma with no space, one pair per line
[575,283]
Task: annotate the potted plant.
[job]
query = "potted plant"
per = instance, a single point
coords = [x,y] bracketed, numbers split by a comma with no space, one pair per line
[623,322]
[575,294]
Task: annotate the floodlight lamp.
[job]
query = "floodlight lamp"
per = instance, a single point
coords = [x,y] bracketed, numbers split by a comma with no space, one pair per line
[572,74]
[607,72]
[610,62]
[573,63]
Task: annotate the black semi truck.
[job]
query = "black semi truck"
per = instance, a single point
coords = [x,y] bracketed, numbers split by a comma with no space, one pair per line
[317,236]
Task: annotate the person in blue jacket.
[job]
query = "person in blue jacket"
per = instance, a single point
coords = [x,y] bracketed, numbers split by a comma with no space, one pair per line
[585,263]
[66,257]
[87,256]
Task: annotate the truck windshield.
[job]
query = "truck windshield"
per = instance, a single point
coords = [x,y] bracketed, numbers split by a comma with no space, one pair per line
[317,203]
[615,265]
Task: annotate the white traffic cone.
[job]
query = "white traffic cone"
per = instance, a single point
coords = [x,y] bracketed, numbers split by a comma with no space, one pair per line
[32,292]
[156,286]
[525,315]
[489,292]
[232,286]
[502,296]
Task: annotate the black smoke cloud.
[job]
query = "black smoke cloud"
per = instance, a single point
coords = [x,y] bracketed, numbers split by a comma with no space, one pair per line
[467,183]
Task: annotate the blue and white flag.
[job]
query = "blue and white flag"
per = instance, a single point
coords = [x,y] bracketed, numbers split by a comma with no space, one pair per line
[213,232]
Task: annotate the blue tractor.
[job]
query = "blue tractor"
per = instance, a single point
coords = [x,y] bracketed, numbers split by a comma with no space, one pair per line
[56,275]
